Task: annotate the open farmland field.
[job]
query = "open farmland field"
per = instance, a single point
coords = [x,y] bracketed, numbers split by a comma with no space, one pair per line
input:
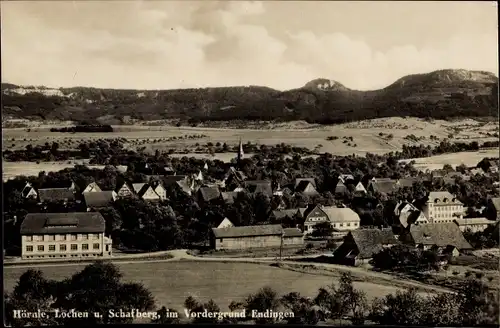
[455,159]
[172,282]
[368,136]
[13,169]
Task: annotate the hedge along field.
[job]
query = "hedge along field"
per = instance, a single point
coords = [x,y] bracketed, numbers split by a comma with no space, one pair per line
[172,282]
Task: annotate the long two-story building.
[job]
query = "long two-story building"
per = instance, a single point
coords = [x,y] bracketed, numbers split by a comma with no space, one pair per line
[59,235]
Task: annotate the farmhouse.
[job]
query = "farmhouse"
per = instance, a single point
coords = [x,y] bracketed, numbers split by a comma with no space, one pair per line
[306,187]
[437,235]
[340,188]
[313,215]
[124,191]
[441,206]
[259,186]
[246,237]
[92,187]
[346,177]
[409,214]
[208,194]
[385,186]
[50,235]
[99,199]
[225,224]
[474,224]
[56,195]
[147,193]
[360,188]
[159,189]
[342,219]
[29,192]
[292,236]
[359,246]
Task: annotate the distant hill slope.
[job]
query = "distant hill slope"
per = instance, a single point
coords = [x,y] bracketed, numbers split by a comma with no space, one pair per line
[439,94]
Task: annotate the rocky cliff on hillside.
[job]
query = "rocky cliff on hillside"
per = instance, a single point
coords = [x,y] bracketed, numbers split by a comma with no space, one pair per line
[439,94]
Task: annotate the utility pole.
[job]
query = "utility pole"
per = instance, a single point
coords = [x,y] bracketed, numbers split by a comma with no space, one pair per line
[281,244]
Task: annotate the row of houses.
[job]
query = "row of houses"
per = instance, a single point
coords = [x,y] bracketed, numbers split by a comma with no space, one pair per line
[359,246]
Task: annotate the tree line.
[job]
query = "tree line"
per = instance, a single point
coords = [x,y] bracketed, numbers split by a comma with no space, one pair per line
[84,128]
[472,303]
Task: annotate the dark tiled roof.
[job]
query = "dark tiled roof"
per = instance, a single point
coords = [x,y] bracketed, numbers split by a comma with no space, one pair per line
[303,185]
[171,179]
[495,201]
[371,241]
[229,196]
[292,232]
[299,180]
[248,231]
[99,198]
[209,193]
[45,223]
[55,194]
[259,186]
[280,214]
[385,187]
[407,182]
[439,234]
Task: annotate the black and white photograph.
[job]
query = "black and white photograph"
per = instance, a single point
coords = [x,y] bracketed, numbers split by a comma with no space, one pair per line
[250,162]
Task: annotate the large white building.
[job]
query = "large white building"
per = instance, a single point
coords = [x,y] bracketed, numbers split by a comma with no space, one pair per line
[441,206]
[60,235]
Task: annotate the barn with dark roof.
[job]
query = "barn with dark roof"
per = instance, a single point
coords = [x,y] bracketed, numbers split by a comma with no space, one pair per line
[246,237]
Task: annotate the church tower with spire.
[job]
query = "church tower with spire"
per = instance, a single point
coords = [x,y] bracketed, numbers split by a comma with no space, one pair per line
[240,152]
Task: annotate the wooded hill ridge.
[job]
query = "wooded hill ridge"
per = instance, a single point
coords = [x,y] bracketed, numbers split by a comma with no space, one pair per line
[440,95]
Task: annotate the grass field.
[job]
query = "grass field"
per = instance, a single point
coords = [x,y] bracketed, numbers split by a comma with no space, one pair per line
[172,282]
[366,135]
[455,159]
[13,169]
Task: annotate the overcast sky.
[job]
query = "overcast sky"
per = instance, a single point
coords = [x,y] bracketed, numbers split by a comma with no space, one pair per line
[168,44]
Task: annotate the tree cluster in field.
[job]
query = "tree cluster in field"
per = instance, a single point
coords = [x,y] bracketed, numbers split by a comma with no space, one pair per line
[84,128]
[257,103]
[185,221]
[403,258]
[98,288]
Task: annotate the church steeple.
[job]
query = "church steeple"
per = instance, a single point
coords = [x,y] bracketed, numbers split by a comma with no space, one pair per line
[240,152]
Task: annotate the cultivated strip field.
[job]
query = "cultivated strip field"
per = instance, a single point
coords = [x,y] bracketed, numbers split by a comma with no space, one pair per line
[368,136]
[172,282]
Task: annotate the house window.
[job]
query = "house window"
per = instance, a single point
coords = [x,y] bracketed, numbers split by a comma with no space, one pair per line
[355,224]
[221,240]
[85,247]
[52,248]
[107,248]
[40,248]
[85,236]
[74,247]
[62,248]
[73,237]
[95,236]
[29,238]
[96,246]
[62,237]
[341,224]
[29,248]
[348,224]
[52,238]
